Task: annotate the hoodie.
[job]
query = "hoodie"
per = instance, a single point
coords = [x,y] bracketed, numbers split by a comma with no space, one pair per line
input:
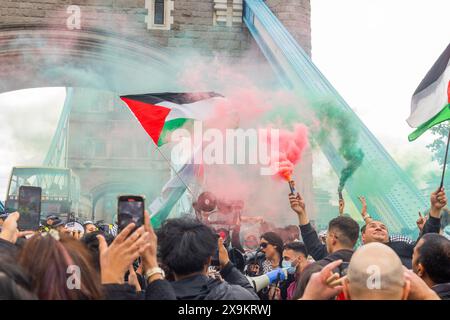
[201,287]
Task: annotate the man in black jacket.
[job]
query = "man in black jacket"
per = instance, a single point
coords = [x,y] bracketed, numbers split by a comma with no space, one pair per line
[376,231]
[431,262]
[341,238]
[187,247]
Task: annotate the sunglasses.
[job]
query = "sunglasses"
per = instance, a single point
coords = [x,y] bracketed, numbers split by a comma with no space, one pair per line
[263,245]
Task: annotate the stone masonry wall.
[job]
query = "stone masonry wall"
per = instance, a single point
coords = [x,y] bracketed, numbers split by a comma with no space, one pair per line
[296,17]
[192,26]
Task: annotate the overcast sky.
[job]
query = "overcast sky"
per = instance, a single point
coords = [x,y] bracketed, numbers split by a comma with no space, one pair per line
[28,121]
[375,52]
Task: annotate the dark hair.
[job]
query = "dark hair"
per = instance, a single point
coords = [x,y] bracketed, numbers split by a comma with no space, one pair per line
[363,228]
[46,261]
[296,246]
[434,255]
[14,284]
[10,290]
[347,228]
[275,240]
[186,245]
[91,242]
[304,279]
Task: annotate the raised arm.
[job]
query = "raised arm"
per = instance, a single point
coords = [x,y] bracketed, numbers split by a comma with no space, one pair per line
[341,206]
[312,242]
[438,201]
[365,215]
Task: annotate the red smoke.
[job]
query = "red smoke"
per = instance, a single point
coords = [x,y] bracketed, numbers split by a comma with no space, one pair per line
[291,147]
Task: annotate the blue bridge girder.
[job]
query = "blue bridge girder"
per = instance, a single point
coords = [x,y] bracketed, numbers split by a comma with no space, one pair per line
[399,200]
[396,204]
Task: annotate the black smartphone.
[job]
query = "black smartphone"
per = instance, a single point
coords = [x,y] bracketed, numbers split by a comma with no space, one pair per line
[130,209]
[215,262]
[343,269]
[29,207]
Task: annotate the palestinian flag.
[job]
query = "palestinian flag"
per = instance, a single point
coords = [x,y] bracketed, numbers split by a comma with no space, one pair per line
[430,103]
[174,190]
[162,113]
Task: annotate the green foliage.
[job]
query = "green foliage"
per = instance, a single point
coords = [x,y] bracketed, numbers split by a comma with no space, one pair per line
[440,143]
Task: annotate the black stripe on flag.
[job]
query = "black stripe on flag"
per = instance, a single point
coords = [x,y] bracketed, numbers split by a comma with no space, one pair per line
[174,97]
[436,71]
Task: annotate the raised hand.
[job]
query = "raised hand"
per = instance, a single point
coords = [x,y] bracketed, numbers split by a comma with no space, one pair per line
[223,253]
[325,284]
[341,206]
[421,221]
[133,279]
[363,201]
[438,201]
[115,259]
[298,206]
[9,228]
[364,213]
[149,256]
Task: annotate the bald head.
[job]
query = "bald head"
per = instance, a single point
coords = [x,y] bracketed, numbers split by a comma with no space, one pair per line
[375,273]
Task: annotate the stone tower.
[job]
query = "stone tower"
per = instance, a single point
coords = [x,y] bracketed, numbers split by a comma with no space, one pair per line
[209,27]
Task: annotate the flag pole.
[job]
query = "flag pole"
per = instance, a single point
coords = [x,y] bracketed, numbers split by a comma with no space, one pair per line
[445,161]
[176,172]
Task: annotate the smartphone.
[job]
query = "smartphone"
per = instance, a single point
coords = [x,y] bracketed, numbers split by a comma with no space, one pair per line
[29,207]
[215,262]
[130,209]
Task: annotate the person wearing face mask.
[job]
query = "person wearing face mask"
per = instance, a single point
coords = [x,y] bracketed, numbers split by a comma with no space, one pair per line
[295,259]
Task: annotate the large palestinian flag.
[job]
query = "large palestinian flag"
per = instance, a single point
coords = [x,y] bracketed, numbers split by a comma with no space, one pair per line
[162,113]
[430,103]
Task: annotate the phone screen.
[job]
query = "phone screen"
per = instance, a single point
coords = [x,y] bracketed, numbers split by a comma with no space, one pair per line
[29,207]
[130,210]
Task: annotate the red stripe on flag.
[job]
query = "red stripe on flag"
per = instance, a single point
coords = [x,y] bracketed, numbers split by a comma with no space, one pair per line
[151,117]
[448,91]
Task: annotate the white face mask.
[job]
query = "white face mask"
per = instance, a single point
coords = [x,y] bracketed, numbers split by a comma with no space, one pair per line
[288,265]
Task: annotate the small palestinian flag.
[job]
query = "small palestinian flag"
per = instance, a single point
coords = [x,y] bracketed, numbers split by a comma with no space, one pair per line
[162,113]
[430,103]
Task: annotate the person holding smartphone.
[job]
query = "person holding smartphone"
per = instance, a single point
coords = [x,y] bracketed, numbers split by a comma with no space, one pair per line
[130,209]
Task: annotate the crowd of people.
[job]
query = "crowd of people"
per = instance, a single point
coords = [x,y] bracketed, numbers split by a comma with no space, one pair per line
[185,259]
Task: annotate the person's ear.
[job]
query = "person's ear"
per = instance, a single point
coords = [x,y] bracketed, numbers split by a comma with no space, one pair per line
[363,237]
[420,270]
[334,241]
[346,289]
[332,238]
[406,289]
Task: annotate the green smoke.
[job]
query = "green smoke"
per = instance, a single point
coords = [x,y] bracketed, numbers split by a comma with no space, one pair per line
[331,117]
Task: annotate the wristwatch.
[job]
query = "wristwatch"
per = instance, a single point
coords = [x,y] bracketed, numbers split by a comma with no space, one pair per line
[153,271]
